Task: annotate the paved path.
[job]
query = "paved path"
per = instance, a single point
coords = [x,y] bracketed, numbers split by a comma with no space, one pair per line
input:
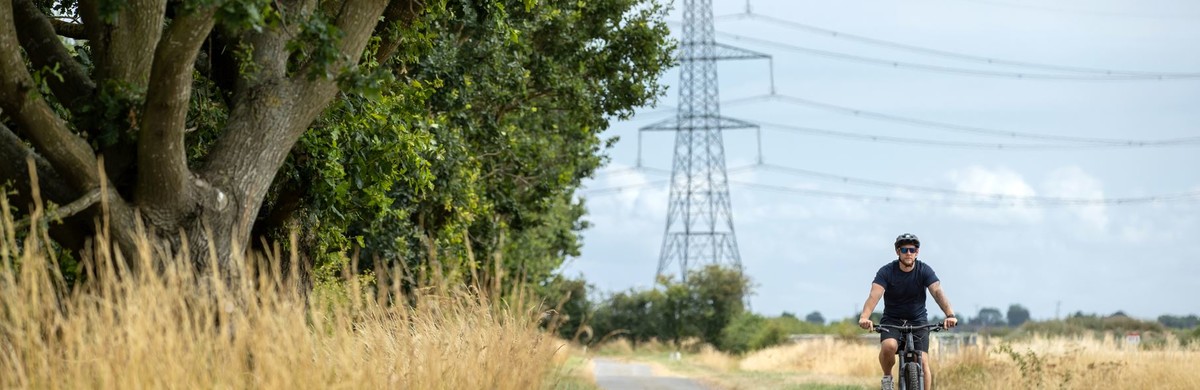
[617,375]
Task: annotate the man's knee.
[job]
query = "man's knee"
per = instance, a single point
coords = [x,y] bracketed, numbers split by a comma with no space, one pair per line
[889,346]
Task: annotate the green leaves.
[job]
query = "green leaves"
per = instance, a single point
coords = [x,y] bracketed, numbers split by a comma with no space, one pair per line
[114,114]
[466,146]
[705,306]
[241,15]
[315,49]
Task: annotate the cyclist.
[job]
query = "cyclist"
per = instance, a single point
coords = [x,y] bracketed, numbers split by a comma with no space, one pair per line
[902,284]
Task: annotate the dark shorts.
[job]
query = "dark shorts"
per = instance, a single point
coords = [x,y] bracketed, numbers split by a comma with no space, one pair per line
[920,338]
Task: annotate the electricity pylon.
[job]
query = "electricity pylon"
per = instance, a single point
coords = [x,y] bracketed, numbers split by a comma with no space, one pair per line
[699,227]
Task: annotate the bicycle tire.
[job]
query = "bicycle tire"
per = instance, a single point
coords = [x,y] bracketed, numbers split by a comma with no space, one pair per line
[912,376]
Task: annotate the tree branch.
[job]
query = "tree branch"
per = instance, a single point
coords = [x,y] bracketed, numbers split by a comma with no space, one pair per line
[13,154]
[68,153]
[45,50]
[68,29]
[357,19]
[398,15]
[164,189]
[13,168]
[263,128]
[70,209]
[123,45]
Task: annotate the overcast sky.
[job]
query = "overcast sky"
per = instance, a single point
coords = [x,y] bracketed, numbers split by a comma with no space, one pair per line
[820,253]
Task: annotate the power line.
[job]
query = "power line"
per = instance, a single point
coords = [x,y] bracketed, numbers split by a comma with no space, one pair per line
[1161,198]
[933,142]
[617,171]
[651,170]
[1075,11]
[956,55]
[1110,142]
[1006,203]
[945,69]
[619,189]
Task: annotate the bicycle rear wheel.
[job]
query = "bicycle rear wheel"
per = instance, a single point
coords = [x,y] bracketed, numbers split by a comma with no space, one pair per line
[912,376]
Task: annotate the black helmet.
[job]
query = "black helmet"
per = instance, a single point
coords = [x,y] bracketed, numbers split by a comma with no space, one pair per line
[908,238]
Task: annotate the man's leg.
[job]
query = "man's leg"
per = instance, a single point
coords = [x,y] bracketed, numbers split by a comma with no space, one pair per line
[925,365]
[887,355]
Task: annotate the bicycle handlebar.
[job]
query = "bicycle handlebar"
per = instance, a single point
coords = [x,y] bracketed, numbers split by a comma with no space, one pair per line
[880,328]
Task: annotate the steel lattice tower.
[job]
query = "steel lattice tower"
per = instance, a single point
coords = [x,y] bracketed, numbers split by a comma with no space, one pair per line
[699,227]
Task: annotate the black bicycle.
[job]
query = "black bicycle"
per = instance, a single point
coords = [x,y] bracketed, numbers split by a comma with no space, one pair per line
[912,372]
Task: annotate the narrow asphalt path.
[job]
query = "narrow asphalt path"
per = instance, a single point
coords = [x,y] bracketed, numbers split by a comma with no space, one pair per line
[617,375]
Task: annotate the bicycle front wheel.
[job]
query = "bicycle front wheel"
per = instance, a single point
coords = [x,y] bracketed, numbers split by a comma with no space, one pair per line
[912,376]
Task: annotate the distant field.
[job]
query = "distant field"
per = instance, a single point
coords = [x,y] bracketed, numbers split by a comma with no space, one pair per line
[1090,362]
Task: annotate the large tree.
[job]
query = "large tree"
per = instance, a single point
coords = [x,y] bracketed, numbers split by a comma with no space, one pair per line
[180,114]
[124,108]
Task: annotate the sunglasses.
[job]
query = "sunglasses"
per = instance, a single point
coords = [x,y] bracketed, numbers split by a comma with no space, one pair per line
[908,250]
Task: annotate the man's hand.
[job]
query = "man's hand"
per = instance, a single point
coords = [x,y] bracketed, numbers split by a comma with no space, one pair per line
[865,323]
[950,322]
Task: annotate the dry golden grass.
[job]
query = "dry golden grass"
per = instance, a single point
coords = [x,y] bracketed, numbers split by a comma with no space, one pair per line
[1072,363]
[173,329]
[828,356]
[715,360]
[1037,363]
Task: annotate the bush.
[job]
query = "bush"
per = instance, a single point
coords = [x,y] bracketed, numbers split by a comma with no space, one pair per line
[740,335]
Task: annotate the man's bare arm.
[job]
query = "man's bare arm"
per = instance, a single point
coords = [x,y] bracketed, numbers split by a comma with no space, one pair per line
[939,296]
[872,300]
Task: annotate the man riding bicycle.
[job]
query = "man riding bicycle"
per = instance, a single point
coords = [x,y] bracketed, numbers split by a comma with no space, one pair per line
[902,284]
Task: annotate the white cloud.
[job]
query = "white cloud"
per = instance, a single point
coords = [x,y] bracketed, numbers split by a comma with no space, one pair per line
[632,193]
[998,181]
[1073,182]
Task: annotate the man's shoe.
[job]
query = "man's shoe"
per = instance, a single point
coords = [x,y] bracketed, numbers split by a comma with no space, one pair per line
[886,383]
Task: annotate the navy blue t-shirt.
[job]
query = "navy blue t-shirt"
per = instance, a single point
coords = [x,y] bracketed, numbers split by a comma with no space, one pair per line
[904,292]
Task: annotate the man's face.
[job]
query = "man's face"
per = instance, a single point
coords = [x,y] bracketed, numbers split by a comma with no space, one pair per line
[908,253]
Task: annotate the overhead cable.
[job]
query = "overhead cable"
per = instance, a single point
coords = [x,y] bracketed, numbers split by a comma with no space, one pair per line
[1193,196]
[934,142]
[1076,11]
[1004,203]
[619,189]
[959,56]
[945,69]
[1110,142]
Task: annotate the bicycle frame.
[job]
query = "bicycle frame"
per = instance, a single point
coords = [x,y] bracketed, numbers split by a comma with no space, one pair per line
[912,368]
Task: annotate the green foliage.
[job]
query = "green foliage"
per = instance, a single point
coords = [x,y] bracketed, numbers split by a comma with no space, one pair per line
[458,156]
[722,293]
[113,113]
[241,15]
[568,297]
[815,317]
[988,317]
[315,49]
[1081,324]
[750,332]
[243,53]
[739,336]
[206,117]
[703,307]
[59,7]
[1179,322]
[1017,315]
[462,151]
[361,160]
[1189,337]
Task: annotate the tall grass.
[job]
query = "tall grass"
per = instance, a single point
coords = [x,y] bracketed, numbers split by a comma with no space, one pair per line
[160,324]
[1083,362]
